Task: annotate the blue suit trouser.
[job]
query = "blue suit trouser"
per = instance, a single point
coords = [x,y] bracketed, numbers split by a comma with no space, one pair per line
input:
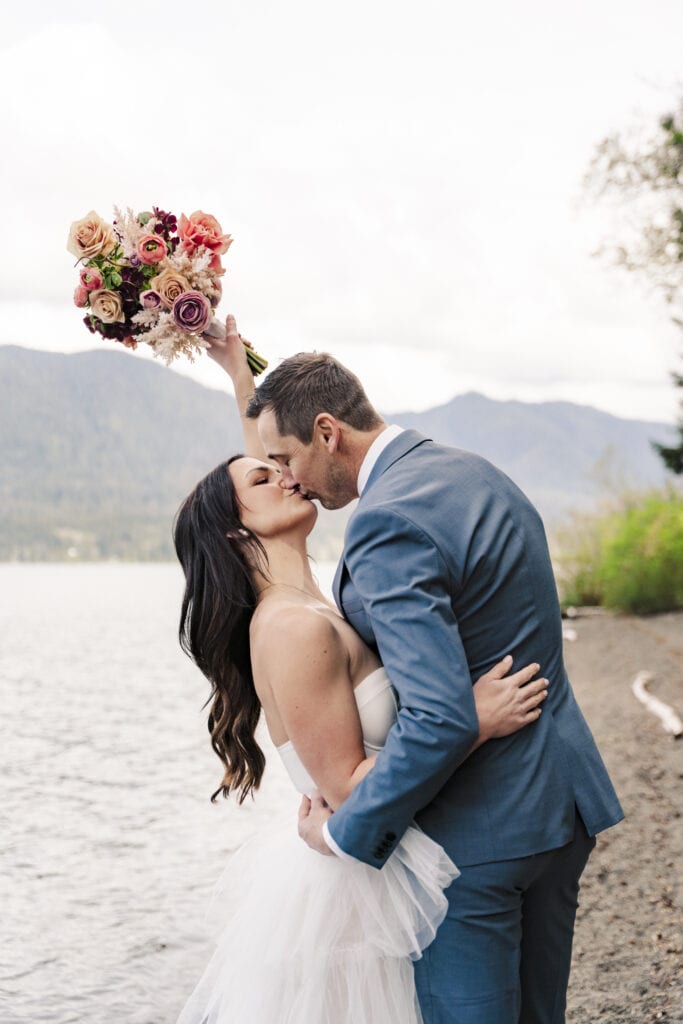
[503,953]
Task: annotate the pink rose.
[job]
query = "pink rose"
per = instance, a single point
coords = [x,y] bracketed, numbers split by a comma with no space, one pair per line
[216,266]
[152,249]
[80,296]
[91,279]
[192,312]
[202,230]
[150,299]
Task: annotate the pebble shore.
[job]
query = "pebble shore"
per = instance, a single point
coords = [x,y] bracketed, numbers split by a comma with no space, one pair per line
[628,948]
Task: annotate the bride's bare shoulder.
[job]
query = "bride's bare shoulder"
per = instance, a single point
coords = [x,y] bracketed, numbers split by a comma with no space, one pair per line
[291,622]
[288,636]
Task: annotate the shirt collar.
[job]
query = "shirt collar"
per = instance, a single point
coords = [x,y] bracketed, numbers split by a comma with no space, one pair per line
[374,452]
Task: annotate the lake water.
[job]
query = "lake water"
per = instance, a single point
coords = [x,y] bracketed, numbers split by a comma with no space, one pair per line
[109,845]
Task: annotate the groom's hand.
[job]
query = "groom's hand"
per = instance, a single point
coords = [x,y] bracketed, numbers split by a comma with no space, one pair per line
[313,814]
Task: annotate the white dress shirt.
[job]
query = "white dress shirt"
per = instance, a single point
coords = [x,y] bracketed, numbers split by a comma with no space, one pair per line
[366,468]
[374,452]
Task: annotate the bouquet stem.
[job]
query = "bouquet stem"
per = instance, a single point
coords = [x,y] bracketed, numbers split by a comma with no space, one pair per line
[257,363]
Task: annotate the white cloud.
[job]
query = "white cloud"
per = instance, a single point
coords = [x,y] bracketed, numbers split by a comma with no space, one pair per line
[396,179]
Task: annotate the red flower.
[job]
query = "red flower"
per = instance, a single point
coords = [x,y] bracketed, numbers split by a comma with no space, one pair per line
[201,230]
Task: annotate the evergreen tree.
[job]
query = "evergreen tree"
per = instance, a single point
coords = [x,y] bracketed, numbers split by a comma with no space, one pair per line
[645,172]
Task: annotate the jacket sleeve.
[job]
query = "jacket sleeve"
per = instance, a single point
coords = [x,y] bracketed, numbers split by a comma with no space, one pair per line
[406,590]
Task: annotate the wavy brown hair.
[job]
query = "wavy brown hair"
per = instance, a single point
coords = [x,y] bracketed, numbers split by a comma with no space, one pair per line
[218,555]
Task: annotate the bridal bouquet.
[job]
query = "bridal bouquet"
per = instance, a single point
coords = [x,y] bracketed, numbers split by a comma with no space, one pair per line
[151,278]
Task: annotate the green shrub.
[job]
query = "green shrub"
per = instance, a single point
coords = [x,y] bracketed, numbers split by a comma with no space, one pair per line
[577,565]
[629,560]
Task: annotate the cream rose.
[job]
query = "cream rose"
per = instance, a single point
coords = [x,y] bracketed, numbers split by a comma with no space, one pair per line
[169,284]
[107,306]
[90,236]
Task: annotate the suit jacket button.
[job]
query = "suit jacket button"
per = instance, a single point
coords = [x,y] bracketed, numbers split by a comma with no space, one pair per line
[391,836]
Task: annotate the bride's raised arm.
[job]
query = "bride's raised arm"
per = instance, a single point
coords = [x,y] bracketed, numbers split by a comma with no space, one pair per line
[230,354]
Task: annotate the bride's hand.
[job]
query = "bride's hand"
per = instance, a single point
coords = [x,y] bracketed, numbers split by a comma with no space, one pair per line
[230,354]
[506,703]
[313,813]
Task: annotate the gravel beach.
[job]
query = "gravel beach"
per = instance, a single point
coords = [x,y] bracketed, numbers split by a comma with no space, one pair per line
[628,949]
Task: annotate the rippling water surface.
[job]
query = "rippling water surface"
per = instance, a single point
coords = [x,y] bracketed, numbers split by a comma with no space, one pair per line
[109,844]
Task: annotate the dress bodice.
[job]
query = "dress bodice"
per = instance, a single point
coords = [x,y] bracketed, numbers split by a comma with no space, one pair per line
[377,709]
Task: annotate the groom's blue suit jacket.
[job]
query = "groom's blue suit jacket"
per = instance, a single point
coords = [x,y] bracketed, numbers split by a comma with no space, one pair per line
[445,571]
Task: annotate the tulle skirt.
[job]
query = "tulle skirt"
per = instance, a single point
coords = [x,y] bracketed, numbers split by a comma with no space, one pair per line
[308,939]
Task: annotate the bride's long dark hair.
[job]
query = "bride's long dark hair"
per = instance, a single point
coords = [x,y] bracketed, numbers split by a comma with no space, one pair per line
[218,555]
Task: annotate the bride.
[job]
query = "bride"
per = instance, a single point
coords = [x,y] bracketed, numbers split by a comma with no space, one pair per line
[306,939]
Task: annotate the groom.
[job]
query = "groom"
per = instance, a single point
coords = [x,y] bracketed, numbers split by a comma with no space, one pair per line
[445,570]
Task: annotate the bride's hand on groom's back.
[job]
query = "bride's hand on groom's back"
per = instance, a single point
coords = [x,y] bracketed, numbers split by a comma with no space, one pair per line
[507,703]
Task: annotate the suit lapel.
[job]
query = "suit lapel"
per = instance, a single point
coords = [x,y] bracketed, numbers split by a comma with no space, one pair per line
[400,446]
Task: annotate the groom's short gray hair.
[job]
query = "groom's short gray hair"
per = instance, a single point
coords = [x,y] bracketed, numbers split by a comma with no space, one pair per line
[305,385]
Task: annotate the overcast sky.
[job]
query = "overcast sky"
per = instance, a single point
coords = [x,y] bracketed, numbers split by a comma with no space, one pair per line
[402,180]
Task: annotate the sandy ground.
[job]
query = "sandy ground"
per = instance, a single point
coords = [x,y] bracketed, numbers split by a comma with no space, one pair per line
[628,949]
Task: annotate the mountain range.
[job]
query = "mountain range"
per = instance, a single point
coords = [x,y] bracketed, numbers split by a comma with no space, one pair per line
[99,448]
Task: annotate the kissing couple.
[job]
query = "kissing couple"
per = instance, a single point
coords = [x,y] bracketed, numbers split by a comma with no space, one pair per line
[449,805]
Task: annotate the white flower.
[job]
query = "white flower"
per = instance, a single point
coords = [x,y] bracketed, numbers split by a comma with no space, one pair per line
[130,230]
[195,269]
[146,317]
[165,339]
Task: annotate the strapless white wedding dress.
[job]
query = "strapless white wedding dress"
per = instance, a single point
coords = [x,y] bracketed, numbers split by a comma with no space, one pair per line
[309,939]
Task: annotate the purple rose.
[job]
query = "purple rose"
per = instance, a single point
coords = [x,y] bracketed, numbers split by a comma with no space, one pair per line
[192,312]
[150,299]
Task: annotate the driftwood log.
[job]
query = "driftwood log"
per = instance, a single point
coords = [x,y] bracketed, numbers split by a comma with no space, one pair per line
[667,716]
